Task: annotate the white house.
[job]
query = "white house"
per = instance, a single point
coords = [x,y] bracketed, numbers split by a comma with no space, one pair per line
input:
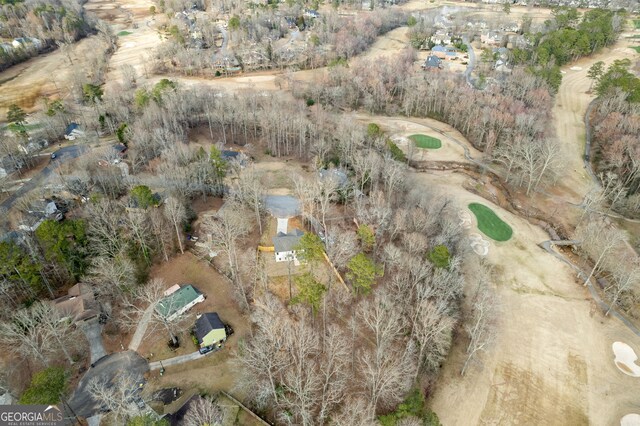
[284,245]
[179,300]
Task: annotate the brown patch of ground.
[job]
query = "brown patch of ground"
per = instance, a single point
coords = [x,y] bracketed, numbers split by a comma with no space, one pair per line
[219,297]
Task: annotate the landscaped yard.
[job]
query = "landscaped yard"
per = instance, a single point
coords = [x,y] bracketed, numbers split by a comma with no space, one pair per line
[490,224]
[424,141]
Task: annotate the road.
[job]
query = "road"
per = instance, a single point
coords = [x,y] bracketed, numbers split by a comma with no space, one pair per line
[472,62]
[62,156]
[107,369]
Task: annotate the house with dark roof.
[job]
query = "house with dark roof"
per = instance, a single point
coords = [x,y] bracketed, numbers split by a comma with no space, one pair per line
[432,62]
[285,245]
[73,131]
[210,330]
[178,300]
[79,304]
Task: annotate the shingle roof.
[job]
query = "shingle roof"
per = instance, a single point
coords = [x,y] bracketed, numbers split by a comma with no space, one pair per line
[287,242]
[206,323]
[177,300]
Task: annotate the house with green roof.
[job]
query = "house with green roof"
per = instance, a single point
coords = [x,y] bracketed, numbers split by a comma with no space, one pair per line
[178,300]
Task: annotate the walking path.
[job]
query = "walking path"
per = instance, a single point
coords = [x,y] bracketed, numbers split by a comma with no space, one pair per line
[141,330]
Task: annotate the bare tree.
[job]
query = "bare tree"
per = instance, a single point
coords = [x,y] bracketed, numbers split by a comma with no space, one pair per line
[203,411]
[598,241]
[161,310]
[58,328]
[224,230]
[251,192]
[176,213]
[111,277]
[626,277]
[22,336]
[480,327]
[117,395]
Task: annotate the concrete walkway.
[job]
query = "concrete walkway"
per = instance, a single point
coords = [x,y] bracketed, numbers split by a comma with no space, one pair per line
[176,360]
[141,330]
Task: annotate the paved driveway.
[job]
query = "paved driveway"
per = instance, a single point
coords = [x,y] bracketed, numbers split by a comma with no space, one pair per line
[93,331]
[106,370]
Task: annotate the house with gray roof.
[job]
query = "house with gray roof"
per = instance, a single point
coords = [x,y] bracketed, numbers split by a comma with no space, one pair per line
[285,245]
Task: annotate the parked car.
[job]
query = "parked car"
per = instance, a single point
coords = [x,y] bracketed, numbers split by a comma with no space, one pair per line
[53,155]
[207,349]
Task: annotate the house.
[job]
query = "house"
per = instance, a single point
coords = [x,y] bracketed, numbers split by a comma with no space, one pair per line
[73,131]
[441,37]
[7,47]
[210,330]
[492,38]
[339,176]
[19,42]
[432,62]
[310,13]
[284,245]
[79,304]
[178,300]
[439,52]
[40,211]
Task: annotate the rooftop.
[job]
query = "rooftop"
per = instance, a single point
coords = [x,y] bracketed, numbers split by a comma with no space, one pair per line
[177,300]
[206,323]
[287,242]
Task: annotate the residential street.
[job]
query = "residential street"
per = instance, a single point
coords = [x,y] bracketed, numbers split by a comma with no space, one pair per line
[107,369]
[62,156]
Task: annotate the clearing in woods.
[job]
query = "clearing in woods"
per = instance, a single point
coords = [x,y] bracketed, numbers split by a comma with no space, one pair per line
[427,142]
[490,224]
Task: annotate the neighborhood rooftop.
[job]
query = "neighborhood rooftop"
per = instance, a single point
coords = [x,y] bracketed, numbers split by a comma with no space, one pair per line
[177,300]
[206,323]
[287,242]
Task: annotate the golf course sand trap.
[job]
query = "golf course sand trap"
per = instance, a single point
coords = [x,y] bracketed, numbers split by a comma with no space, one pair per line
[626,359]
[479,244]
[465,219]
[632,419]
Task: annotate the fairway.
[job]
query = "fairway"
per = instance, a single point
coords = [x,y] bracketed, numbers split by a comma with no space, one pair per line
[424,141]
[490,224]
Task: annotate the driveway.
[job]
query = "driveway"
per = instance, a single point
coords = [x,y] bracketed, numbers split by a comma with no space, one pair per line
[176,360]
[93,331]
[106,370]
[62,156]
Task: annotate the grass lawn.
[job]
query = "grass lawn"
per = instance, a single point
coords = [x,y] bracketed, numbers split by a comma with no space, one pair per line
[124,33]
[636,48]
[424,141]
[636,23]
[490,224]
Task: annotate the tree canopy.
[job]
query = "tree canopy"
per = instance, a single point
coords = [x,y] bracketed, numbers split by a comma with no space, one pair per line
[46,387]
[310,291]
[363,272]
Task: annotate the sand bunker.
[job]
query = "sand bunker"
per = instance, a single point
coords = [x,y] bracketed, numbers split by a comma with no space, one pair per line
[465,219]
[479,244]
[630,420]
[129,44]
[626,359]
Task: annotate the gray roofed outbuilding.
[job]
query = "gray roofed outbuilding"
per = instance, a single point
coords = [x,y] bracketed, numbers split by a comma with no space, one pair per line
[206,323]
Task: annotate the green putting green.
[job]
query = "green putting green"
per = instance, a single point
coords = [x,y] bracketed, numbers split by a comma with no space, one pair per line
[424,141]
[124,33]
[490,224]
